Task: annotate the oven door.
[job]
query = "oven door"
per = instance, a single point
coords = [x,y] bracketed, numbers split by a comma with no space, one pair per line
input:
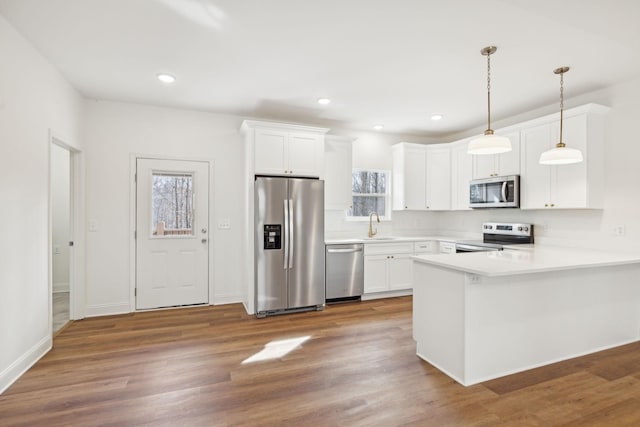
[461,248]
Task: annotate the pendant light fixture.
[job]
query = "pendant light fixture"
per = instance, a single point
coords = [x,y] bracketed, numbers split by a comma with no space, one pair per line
[489,143]
[561,155]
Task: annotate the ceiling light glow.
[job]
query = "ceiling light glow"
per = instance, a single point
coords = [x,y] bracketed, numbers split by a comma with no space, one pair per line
[324,101]
[437,117]
[378,127]
[166,78]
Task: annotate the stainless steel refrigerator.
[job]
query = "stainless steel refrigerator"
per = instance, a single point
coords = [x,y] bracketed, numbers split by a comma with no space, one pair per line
[289,244]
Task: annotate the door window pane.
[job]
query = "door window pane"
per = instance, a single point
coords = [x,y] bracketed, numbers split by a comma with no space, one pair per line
[172,204]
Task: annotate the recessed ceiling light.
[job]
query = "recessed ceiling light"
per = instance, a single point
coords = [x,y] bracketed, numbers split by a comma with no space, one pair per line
[324,101]
[166,78]
[437,117]
[378,127]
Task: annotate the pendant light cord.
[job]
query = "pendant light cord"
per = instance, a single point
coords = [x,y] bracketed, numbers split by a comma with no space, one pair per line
[561,105]
[489,91]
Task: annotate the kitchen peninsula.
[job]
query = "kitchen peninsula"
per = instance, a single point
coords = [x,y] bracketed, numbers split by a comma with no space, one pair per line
[483,315]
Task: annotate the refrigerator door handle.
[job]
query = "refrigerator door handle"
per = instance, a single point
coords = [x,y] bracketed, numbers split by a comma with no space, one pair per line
[291,227]
[286,234]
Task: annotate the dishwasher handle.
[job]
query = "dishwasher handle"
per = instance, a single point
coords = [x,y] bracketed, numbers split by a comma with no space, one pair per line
[344,251]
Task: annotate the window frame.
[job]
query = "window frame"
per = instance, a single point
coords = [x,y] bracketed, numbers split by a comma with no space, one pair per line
[386,195]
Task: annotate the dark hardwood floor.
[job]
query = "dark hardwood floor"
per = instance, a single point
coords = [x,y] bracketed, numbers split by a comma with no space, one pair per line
[357,367]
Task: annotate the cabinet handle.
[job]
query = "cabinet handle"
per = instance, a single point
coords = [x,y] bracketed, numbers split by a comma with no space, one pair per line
[552,205]
[546,205]
[406,207]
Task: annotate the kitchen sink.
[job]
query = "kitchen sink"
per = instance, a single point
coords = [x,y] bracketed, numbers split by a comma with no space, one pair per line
[380,238]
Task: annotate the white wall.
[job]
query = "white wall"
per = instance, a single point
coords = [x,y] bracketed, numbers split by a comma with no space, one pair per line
[60,215]
[585,228]
[115,131]
[34,98]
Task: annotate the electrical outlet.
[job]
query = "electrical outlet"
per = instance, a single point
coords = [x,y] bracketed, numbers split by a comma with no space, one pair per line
[619,230]
[56,250]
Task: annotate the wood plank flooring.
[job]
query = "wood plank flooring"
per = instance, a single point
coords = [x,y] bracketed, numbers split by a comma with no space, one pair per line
[358,367]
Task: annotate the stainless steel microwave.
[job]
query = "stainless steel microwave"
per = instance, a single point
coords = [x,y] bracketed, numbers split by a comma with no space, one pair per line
[495,192]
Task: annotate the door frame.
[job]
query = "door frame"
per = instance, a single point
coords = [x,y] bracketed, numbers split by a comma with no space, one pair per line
[133,158]
[77,282]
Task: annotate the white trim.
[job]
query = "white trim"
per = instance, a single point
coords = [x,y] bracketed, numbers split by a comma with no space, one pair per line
[26,361]
[77,285]
[133,157]
[107,309]
[387,294]
[252,124]
[228,299]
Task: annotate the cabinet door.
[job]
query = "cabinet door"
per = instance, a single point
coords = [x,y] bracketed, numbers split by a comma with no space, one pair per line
[438,179]
[536,178]
[401,272]
[569,182]
[461,174]
[509,163]
[270,146]
[415,179]
[337,174]
[484,165]
[375,273]
[304,154]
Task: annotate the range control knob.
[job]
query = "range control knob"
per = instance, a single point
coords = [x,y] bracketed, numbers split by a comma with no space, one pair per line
[519,228]
[526,229]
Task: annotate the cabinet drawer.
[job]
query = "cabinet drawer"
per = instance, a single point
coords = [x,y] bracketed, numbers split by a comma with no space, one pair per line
[388,248]
[447,247]
[425,247]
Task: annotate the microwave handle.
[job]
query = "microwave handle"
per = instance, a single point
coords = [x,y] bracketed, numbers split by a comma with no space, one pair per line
[504,191]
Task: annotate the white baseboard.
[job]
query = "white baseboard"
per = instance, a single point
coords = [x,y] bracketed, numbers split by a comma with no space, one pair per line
[60,287]
[226,299]
[107,309]
[388,294]
[24,362]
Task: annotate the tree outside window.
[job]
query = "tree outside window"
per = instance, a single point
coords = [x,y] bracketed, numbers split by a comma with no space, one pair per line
[370,190]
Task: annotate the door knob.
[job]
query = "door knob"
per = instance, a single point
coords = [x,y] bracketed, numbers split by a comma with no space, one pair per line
[204,240]
[204,231]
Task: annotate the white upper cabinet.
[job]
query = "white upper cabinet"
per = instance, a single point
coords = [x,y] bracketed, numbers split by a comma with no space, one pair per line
[337,172]
[461,174]
[486,166]
[409,177]
[421,177]
[283,149]
[574,186]
[439,177]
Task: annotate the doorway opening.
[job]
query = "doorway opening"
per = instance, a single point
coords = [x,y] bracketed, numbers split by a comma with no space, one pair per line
[61,235]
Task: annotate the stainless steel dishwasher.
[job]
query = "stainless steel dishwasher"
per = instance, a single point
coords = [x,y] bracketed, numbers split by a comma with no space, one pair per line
[344,272]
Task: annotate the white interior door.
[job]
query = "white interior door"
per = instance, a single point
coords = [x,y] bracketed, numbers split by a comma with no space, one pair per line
[172,233]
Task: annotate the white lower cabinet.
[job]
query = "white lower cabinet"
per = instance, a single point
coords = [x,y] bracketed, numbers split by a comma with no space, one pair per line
[387,267]
[447,247]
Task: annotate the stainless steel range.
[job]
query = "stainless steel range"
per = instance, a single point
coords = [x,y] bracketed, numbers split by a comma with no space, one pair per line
[496,235]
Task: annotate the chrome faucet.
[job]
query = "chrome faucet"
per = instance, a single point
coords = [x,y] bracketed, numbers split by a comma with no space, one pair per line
[371,232]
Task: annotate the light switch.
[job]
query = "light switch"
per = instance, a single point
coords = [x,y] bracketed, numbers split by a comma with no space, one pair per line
[93,225]
[224,224]
[56,249]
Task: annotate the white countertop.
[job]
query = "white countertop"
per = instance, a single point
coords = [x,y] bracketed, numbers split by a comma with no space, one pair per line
[526,259]
[388,239]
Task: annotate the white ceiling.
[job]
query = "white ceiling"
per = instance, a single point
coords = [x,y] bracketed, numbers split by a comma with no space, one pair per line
[380,61]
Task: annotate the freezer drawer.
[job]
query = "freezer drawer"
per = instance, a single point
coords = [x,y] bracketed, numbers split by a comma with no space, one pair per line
[344,277]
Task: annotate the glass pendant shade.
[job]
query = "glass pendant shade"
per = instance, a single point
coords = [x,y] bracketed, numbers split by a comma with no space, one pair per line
[561,156]
[489,144]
